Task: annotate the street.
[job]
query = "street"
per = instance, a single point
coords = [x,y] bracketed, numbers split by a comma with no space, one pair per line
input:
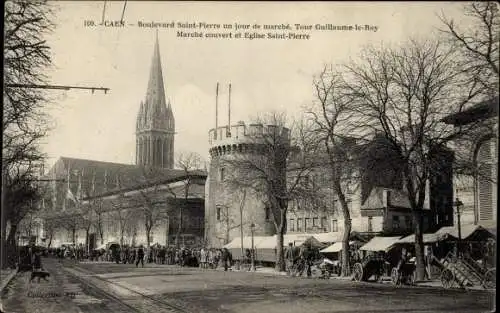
[104,287]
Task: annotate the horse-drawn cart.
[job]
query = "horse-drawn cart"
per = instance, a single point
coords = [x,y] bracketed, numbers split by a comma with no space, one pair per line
[466,272]
[371,266]
[405,274]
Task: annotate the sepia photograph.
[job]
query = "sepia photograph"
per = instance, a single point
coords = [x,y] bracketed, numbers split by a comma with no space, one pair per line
[249,156]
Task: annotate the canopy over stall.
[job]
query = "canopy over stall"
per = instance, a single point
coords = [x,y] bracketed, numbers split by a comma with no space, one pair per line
[428,238]
[380,244]
[468,232]
[336,247]
[328,237]
[247,242]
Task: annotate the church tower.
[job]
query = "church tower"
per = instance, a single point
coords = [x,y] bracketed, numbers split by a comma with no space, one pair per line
[155,126]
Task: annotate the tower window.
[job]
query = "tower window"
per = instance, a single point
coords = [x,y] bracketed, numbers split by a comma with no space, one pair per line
[268,213]
[222,173]
[218,213]
[370,223]
[335,226]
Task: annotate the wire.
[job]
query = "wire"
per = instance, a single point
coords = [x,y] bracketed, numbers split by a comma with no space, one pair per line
[123,12]
[103,12]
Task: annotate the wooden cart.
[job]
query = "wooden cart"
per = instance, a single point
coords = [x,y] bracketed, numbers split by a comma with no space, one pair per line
[465,272]
[406,275]
[371,266]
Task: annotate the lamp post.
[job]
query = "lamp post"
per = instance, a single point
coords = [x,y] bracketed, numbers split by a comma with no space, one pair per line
[458,204]
[252,229]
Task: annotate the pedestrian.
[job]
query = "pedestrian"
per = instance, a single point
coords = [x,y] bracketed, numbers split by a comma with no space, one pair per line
[203,258]
[226,258]
[248,258]
[289,257]
[140,256]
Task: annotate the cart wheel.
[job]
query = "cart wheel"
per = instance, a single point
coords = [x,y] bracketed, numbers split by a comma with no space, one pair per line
[490,279]
[394,276]
[358,272]
[447,278]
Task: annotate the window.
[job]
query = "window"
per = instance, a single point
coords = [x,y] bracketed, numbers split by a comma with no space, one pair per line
[307,224]
[299,224]
[292,224]
[316,222]
[335,226]
[218,213]
[395,222]
[323,222]
[222,173]
[370,223]
[268,213]
[408,222]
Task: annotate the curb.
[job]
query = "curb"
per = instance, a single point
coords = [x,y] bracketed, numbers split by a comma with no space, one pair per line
[7,280]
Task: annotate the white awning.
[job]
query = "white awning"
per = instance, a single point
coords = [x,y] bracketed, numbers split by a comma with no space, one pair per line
[466,230]
[336,247]
[428,238]
[380,243]
[328,237]
[247,242]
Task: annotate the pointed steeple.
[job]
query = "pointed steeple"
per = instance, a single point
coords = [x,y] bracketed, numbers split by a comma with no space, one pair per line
[155,96]
[155,122]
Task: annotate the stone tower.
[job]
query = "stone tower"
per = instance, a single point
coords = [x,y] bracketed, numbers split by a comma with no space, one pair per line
[155,126]
[225,208]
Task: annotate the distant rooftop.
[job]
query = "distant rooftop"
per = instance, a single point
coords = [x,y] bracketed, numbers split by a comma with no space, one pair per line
[480,111]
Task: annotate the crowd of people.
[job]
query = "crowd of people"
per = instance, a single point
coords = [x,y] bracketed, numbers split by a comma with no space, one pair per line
[209,258]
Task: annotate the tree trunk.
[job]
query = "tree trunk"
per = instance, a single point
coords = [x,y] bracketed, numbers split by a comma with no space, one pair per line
[346,268]
[419,244]
[101,231]
[148,232]
[11,247]
[179,227]
[50,240]
[121,239]
[87,243]
[280,254]
[74,235]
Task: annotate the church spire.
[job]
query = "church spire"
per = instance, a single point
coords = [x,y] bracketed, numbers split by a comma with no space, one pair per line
[155,96]
[155,127]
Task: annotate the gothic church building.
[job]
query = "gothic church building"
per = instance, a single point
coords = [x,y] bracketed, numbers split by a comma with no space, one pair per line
[75,181]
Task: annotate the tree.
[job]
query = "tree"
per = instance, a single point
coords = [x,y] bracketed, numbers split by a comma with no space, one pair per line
[477,44]
[98,210]
[273,165]
[333,120]
[402,94]
[71,222]
[26,56]
[50,227]
[126,220]
[19,192]
[154,210]
[187,162]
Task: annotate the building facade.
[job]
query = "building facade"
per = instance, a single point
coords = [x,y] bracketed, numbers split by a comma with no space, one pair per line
[478,148]
[377,200]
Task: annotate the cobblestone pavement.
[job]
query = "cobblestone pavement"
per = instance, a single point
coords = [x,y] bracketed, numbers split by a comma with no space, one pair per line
[62,293]
[243,292]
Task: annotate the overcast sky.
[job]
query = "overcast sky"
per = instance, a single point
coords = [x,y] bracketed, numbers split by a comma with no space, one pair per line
[266,74]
